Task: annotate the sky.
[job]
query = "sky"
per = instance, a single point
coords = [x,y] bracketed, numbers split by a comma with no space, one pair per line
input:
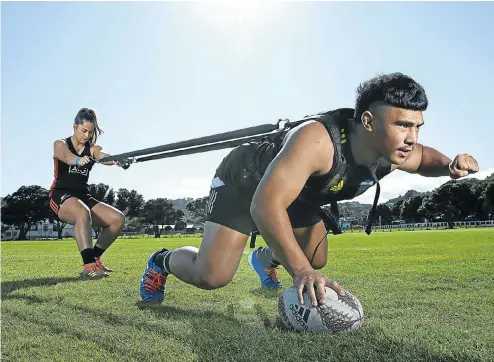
[161,72]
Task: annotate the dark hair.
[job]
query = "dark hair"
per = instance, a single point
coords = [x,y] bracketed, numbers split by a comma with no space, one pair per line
[86,114]
[396,89]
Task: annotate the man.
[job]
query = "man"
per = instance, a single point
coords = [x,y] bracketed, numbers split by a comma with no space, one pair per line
[278,185]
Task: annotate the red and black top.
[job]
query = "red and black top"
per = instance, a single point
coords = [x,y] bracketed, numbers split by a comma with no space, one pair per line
[71,177]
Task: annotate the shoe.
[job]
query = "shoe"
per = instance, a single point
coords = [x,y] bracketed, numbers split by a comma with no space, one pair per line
[101,266]
[269,276]
[152,288]
[93,271]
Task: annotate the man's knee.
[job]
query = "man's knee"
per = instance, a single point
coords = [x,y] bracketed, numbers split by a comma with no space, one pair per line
[119,219]
[214,280]
[319,263]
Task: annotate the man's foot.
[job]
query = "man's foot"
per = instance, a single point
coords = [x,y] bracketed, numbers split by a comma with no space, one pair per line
[152,288]
[268,276]
[93,271]
[101,265]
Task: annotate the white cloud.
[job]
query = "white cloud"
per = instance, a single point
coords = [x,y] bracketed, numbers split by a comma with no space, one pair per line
[190,187]
[398,183]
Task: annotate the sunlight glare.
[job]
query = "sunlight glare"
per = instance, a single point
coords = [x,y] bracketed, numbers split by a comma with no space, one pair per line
[239,23]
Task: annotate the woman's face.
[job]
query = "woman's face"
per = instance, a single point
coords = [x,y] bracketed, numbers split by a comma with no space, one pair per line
[84,132]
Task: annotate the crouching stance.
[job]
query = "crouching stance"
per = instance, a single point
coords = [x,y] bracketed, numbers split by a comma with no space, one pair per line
[279,184]
[70,200]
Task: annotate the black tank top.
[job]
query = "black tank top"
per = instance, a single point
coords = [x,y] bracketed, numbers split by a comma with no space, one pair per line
[69,177]
[346,180]
[247,163]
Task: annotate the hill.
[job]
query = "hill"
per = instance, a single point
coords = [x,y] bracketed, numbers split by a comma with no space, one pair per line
[409,193]
[180,204]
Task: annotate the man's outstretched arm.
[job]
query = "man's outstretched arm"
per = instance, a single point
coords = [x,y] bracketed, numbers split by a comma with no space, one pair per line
[426,161]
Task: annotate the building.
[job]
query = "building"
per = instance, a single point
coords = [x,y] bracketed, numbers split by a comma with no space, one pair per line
[194,228]
[41,230]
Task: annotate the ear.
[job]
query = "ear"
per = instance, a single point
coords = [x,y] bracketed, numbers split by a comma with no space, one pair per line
[367,121]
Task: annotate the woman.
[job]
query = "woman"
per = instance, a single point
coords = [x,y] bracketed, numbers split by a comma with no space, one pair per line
[74,158]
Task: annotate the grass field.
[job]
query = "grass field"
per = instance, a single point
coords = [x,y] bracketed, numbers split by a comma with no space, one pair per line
[427,296]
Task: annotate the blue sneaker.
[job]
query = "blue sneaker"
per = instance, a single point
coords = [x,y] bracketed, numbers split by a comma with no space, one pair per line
[268,276]
[152,288]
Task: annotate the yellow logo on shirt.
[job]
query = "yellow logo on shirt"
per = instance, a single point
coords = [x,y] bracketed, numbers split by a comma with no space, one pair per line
[338,187]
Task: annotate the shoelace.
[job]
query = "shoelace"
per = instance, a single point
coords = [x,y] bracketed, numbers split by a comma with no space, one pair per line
[273,274]
[100,264]
[154,280]
[94,270]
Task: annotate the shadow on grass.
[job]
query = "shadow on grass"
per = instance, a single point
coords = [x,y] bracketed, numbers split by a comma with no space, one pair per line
[11,286]
[220,336]
[216,331]
[267,293]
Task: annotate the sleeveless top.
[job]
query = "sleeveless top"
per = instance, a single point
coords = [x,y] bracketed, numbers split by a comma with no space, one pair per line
[247,163]
[71,177]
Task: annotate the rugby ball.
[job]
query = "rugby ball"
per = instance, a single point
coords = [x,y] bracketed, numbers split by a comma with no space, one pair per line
[337,314]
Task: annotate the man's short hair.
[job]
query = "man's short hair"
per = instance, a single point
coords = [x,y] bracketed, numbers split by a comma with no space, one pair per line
[395,89]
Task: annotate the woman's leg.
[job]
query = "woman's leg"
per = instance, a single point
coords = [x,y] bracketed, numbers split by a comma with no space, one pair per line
[112,221]
[73,211]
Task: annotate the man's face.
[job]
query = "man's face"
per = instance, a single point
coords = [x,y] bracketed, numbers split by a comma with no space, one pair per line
[396,132]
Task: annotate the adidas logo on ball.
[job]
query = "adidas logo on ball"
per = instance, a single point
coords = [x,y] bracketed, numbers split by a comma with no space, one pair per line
[337,314]
[301,315]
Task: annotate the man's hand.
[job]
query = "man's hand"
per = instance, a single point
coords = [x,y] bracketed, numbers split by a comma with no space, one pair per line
[462,166]
[309,278]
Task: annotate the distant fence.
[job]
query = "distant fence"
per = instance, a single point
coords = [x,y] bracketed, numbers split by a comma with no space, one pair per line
[431,225]
[13,234]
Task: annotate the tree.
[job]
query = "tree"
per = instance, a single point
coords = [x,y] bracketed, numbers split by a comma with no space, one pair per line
[464,199]
[385,213]
[396,209]
[428,209]
[129,202]
[488,194]
[160,212]
[110,197]
[60,224]
[25,207]
[100,192]
[481,208]
[135,225]
[103,193]
[180,225]
[410,207]
[441,204]
[197,208]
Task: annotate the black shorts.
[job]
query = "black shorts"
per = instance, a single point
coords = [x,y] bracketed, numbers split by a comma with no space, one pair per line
[229,205]
[57,198]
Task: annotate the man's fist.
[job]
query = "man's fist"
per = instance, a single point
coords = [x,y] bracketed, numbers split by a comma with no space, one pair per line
[463,165]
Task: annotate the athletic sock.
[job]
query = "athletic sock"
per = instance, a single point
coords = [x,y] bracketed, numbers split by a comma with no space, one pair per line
[98,251]
[265,257]
[88,256]
[163,260]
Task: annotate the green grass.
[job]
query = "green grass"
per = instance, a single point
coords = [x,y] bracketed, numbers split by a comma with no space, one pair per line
[427,296]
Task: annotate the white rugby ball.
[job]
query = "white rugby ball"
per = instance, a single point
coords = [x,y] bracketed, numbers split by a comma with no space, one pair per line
[337,314]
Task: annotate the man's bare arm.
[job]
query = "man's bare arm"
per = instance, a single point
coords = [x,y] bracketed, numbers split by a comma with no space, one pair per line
[307,151]
[426,161]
